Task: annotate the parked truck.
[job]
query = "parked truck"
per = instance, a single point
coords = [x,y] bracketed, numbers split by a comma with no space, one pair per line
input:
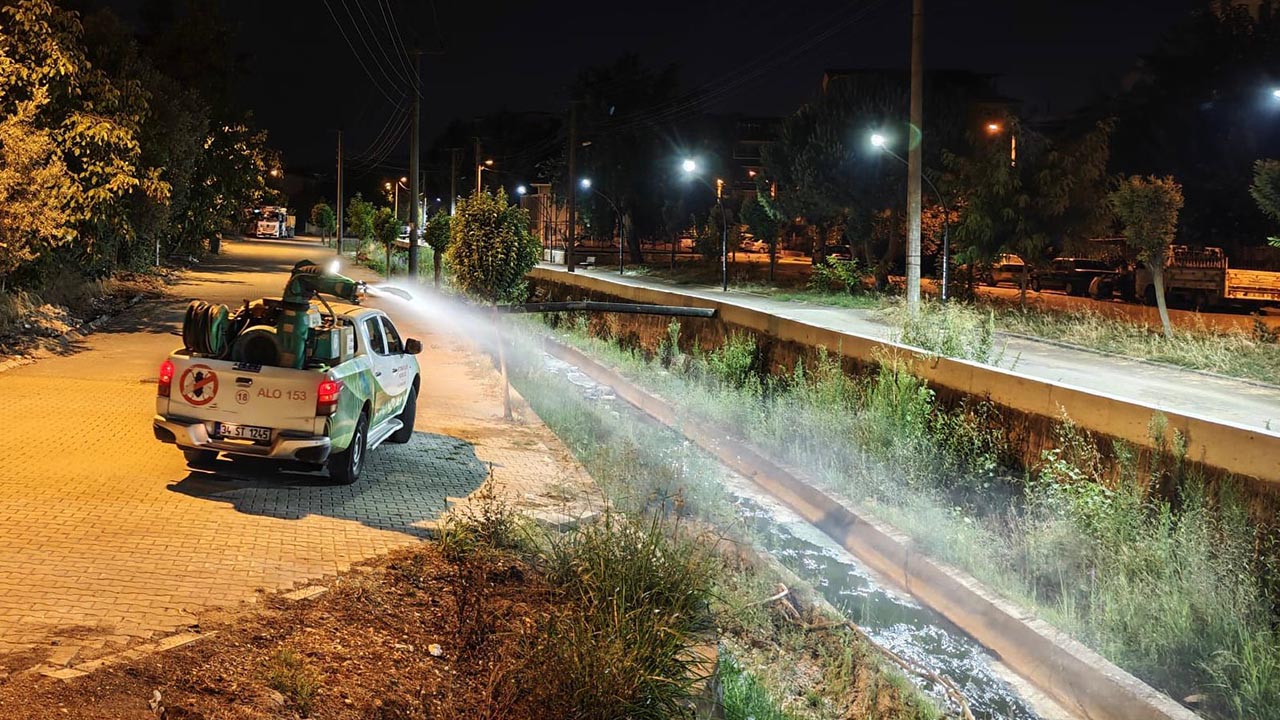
[272,222]
[1201,278]
[294,379]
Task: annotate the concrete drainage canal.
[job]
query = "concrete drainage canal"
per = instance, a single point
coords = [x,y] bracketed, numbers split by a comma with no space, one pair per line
[889,617]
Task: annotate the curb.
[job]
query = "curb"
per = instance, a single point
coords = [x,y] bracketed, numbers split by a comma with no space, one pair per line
[76,333]
[1154,363]
[1081,680]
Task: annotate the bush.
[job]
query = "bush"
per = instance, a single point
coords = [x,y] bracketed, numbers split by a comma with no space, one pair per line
[636,595]
[954,330]
[833,275]
[288,674]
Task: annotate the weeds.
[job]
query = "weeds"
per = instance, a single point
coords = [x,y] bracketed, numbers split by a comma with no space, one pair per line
[1153,569]
[638,593]
[955,330]
[744,696]
[288,674]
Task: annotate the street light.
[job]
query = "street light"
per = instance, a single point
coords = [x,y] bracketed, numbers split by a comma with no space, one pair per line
[690,169]
[585,184]
[395,203]
[486,165]
[521,190]
[881,142]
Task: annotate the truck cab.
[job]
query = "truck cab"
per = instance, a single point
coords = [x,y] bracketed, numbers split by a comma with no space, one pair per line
[356,388]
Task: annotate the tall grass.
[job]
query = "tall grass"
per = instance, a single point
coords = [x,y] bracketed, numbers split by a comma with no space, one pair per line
[1166,585]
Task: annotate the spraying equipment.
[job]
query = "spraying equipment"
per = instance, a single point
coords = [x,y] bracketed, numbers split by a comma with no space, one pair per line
[293,379]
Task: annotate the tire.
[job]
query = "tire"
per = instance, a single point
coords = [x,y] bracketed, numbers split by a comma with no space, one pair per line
[1035,286]
[200,458]
[1149,296]
[1069,288]
[345,466]
[407,417]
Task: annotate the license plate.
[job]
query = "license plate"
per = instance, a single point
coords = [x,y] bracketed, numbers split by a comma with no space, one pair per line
[242,432]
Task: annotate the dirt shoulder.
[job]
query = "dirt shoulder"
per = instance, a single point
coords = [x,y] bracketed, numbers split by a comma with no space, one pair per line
[389,639]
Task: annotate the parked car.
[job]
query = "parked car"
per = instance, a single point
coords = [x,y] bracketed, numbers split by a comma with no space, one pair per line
[839,252]
[1073,276]
[755,246]
[1006,269]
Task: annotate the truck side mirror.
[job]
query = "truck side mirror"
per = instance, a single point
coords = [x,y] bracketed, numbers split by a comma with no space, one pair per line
[412,346]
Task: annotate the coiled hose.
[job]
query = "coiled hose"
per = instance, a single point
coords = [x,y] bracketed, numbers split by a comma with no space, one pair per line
[204,328]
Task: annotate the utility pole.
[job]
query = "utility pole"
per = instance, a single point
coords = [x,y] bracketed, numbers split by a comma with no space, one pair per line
[414,189]
[339,208]
[453,181]
[479,165]
[572,185]
[915,157]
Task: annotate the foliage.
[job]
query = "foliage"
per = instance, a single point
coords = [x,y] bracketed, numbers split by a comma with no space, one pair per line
[1148,210]
[1194,113]
[710,236]
[360,218]
[491,248]
[636,593]
[1171,587]
[1050,198]
[437,234]
[951,329]
[109,155]
[1266,190]
[831,275]
[765,222]
[386,227]
[288,674]
[323,217]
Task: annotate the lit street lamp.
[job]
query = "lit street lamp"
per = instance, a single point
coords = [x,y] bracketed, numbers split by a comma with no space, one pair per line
[585,183]
[486,165]
[395,204]
[690,169]
[522,190]
[881,142]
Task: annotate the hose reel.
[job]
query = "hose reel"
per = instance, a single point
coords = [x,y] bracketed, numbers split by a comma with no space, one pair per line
[204,328]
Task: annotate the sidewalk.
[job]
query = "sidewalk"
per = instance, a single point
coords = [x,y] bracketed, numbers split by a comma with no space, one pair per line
[1165,388]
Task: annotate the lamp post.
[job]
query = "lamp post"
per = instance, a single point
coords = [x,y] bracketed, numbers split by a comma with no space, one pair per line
[586,185]
[395,203]
[481,167]
[882,143]
[690,168]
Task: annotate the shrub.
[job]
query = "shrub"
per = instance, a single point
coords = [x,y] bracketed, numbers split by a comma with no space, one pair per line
[954,329]
[288,674]
[636,595]
[833,275]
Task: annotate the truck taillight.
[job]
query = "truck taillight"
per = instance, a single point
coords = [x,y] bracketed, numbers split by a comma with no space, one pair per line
[327,397]
[166,378]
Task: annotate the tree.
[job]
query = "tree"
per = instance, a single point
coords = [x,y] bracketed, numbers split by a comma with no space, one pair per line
[1050,199]
[490,252]
[386,229]
[764,222]
[1266,191]
[324,217]
[437,235]
[360,215]
[1148,210]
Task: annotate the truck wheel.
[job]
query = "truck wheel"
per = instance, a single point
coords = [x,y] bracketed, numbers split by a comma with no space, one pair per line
[1149,296]
[1069,288]
[1035,286]
[200,458]
[407,417]
[345,467]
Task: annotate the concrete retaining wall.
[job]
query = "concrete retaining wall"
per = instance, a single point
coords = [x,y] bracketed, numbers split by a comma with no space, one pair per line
[1221,446]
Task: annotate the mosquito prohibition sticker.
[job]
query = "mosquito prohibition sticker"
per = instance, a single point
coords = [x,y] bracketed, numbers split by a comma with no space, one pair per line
[199,385]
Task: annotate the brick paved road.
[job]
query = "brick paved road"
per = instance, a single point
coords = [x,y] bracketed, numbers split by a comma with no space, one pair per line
[106,535]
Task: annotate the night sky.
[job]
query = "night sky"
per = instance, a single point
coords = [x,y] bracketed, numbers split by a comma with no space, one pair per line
[305,80]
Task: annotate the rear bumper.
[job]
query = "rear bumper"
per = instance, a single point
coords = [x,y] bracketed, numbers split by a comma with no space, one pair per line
[194,435]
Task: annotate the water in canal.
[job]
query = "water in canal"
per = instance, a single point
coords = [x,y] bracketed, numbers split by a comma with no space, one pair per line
[891,618]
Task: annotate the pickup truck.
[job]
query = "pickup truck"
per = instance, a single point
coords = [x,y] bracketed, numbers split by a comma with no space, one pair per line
[331,411]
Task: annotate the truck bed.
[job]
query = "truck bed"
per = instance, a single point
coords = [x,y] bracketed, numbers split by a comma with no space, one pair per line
[1254,285]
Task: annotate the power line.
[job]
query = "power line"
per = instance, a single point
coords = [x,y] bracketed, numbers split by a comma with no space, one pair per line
[360,33]
[380,137]
[359,59]
[391,143]
[393,30]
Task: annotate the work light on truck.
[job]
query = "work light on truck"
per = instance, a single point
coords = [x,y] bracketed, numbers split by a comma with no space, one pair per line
[327,397]
[166,378]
